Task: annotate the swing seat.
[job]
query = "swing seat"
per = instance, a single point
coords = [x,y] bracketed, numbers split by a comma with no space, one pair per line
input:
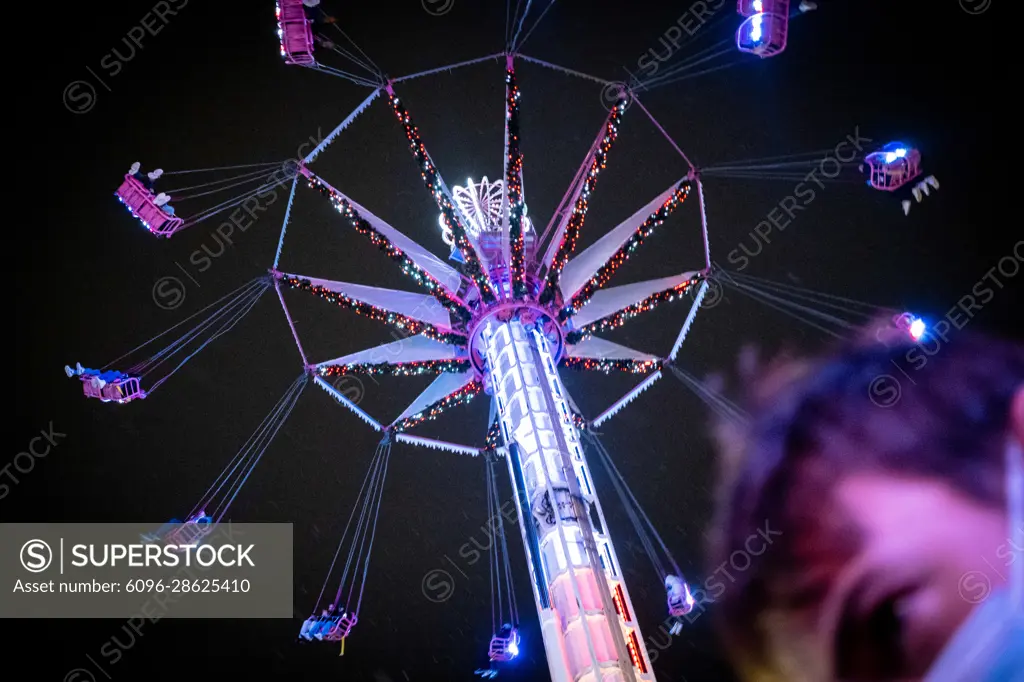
[295,34]
[120,390]
[679,607]
[200,518]
[139,201]
[341,627]
[327,628]
[764,33]
[331,630]
[504,646]
[748,8]
[190,532]
[910,324]
[893,166]
[161,532]
[680,600]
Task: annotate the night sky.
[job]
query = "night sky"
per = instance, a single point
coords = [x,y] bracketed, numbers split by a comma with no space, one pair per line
[210,89]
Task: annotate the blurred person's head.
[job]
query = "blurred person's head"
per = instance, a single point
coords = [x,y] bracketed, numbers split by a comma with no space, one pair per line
[881,502]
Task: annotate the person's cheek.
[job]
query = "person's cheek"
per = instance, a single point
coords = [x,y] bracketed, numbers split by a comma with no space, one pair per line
[933,616]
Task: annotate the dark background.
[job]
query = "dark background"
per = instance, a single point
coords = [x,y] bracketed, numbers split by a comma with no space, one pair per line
[210,90]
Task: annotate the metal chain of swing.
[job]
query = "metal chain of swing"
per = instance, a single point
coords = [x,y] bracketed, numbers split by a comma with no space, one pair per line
[357,562]
[502,593]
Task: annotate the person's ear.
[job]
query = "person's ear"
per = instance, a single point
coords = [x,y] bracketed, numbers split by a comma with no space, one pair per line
[1017,415]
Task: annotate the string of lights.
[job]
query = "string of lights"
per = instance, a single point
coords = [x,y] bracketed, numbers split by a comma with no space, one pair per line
[579,211]
[608,366]
[492,440]
[514,186]
[393,319]
[575,418]
[406,264]
[403,369]
[602,276]
[620,317]
[432,180]
[434,410]
[579,420]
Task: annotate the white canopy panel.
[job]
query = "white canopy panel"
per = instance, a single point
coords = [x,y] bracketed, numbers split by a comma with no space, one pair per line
[579,180]
[412,349]
[431,264]
[609,301]
[443,385]
[601,349]
[563,223]
[584,266]
[422,307]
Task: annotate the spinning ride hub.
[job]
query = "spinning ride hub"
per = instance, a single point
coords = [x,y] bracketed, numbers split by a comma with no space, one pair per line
[530,315]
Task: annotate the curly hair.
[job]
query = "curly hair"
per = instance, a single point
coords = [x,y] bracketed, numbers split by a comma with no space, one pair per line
[817,421]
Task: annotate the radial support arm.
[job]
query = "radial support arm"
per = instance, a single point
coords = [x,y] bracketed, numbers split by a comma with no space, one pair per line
[611,308]
[514,182]
[426,269]
[447,391]
[409,312]
[450,214]
[584,275]
[563,242]
[411,356]
[600,355]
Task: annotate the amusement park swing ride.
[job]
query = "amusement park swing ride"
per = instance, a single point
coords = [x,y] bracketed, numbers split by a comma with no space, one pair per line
[516,307]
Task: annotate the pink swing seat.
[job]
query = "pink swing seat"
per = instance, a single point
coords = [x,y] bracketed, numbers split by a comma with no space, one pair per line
[748,8]
[504,646]
[139,201]
[191,531]
[893,166]
[118,391]
[765,28]
[342,628]
[295,34]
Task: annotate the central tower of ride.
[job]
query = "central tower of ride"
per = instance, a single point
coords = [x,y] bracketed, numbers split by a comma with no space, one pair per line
[586,616]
